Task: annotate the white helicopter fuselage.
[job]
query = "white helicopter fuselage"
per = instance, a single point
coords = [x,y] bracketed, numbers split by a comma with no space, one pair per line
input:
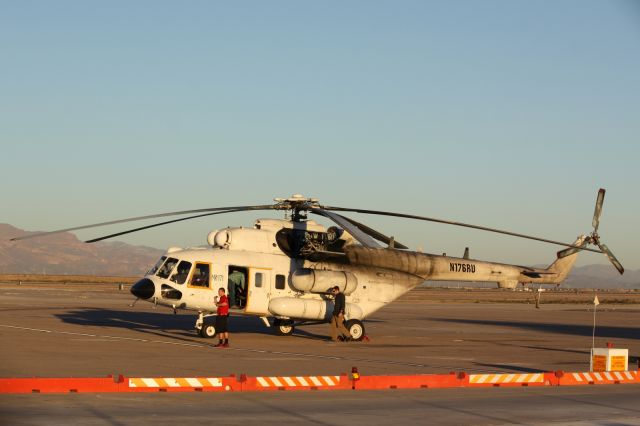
[276,285]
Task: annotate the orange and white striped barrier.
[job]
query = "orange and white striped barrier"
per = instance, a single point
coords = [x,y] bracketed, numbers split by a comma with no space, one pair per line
[171,382]
[298,381]
[295,382]
[182,384]
[599,378]
[530,379]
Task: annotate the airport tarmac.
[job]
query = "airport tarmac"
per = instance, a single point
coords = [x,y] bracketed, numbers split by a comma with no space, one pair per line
[604,405]
[91,331]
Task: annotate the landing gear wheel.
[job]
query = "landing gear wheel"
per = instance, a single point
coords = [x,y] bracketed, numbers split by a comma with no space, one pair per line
[356,329]
[283,327]
[208,330]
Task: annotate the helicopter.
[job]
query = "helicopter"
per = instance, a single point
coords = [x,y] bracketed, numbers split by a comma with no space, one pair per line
[288,266]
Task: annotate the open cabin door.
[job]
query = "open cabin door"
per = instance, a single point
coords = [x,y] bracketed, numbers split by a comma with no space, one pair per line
[259,291]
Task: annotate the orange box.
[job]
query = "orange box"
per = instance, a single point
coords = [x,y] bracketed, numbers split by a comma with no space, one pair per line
[599,363]
[618,363]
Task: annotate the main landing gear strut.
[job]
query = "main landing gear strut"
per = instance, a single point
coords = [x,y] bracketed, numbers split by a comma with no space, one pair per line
[285,327]
[206,326]
[355,328]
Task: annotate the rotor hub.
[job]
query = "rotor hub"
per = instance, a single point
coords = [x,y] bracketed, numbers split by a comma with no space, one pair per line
[296,203]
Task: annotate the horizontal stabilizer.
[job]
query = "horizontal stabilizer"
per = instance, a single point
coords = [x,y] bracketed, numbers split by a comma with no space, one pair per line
[537,274]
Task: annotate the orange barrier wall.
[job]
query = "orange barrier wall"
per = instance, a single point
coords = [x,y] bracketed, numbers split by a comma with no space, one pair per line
[61,385]
[451,380]
[354,381]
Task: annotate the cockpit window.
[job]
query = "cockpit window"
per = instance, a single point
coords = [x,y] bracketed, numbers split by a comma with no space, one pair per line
[157,265]
[182,272]
[200,276]
[166,269]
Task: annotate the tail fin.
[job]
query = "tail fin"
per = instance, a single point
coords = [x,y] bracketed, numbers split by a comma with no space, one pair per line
[563,265]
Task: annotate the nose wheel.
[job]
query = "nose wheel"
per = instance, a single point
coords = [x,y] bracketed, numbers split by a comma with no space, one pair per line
[205,326]
[208,331]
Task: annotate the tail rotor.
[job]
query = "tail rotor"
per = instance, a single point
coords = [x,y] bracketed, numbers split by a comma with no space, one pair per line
[598,210]
[594,238]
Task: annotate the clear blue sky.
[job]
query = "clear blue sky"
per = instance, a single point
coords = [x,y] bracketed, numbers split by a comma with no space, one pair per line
[502,113]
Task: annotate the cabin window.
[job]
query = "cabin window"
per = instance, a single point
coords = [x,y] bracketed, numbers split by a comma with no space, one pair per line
[258,280]
[200,277]
[166,269]
[182,272]
[157,266]
[280,282]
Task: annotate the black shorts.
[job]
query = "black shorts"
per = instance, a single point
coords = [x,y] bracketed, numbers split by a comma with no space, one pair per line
[221,323]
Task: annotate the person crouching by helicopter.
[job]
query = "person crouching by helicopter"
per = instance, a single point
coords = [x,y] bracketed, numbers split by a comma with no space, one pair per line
[337,319]
[222,302]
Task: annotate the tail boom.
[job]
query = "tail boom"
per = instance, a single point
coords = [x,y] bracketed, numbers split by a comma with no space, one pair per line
[443,268]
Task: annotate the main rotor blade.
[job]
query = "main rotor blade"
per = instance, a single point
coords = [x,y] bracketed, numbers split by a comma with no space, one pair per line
[352,229]
[612,258]
[375,234]
[598,211]
[152,216]
[575,249]
[448,222]
[106,237]
[568,252]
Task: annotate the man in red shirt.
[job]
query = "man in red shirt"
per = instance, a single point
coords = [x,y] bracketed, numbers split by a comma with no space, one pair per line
[222,302]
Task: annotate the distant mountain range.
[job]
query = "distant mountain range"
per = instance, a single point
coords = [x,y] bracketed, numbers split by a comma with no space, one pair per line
[64,254]
[602,276]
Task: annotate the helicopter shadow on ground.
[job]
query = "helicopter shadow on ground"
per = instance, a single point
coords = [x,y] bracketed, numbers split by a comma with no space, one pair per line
[304,333]
[163,324]
[155,323]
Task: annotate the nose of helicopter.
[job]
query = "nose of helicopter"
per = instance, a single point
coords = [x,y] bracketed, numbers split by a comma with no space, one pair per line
[144,289]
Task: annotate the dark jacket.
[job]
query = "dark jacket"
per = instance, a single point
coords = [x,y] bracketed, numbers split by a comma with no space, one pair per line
[339,304]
